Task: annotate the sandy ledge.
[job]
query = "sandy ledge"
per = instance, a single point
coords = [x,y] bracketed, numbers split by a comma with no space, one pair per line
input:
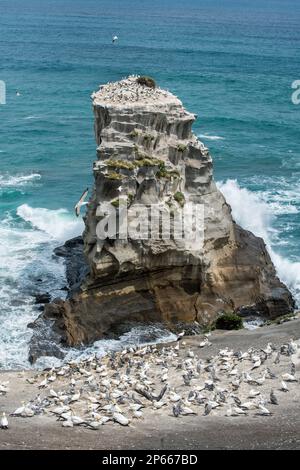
[163,431]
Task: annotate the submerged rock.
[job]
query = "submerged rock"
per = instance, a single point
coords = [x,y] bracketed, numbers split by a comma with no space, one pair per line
[42,298]
[148,152]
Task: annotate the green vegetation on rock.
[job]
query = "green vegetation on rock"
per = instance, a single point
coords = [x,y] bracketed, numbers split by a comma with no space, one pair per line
[179,197]
[120,164]
[146,81]
[134,133]
[229,321]
[181,147]
[113,175]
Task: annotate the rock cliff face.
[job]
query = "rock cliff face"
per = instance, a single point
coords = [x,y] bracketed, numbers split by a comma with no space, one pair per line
[147,151]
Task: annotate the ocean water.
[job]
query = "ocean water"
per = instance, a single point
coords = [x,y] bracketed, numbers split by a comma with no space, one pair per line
[232,62]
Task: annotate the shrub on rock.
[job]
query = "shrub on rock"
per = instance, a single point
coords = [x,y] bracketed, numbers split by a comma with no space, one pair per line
[229,321]
[146,81]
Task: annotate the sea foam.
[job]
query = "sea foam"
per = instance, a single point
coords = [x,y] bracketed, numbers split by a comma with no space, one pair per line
[252,212]
[9,181]
[58,224]
[210,137]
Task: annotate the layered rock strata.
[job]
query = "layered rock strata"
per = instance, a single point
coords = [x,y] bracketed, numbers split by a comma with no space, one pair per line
[148,152]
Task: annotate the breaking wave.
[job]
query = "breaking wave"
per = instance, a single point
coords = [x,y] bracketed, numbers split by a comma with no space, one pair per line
[58,224]
[252,212]
[9,181]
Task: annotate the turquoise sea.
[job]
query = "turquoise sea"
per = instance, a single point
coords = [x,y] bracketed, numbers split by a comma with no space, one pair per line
[232,62]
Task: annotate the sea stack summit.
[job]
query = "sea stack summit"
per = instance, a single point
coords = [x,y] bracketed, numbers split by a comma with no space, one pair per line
[146,150]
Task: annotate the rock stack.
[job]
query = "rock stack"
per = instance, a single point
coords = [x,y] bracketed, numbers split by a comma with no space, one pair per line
[148,153]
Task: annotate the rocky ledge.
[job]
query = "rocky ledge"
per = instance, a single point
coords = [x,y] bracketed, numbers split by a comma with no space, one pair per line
[148,152]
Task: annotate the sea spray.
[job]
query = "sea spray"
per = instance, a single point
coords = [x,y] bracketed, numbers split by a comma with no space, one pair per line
[253,213]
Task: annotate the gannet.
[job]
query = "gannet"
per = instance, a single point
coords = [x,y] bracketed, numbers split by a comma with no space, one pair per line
[180,335]
[293,369]
[256,364]
[289,378]
[268,350]
[4,422]
[81,202]
[3,389]
[176,410]
[273,398]
[263,411]
[238,411]
[185,411]
[277,358]
[208,408]
[24,411]
[253,393]
[284,387]
[121,419]
[204,343]
[174,397]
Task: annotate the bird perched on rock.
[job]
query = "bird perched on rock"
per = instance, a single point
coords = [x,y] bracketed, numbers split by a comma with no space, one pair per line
[284,387]
[263,411]
[4,422]
[208,408]
[273,398]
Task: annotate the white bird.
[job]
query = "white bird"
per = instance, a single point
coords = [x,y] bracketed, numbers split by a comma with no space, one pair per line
[263,411]
[81,202]
[204,343]
[115,39]
[95,425]
[121,419]
[185,411]
[261,380]
[284,387]
[24,411]
[256,364]
[44,383]
[253,393]
[236,411]
[59,410]
[4,422]
[174,397]
[248,405]
[3,389]
[75,397]
[268,349]
[77,421]
[180,335]
[159,404]
[289,378]
[67,424]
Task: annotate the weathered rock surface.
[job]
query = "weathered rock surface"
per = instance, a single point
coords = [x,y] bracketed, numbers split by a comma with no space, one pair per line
[147,151]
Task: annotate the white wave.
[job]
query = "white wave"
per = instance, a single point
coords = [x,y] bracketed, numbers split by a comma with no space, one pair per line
[254,214]
[210,137]
[8,181]
[29,118]
[27,266]
[137,336]
[58,224]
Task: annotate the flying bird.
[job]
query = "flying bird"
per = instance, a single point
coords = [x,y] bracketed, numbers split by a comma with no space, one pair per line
[81,202]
